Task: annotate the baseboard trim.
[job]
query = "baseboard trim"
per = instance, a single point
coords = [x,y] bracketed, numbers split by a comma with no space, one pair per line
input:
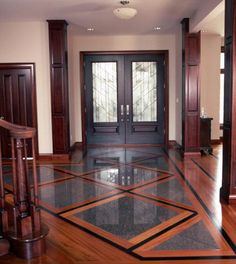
[53,157]
[190,155]
[232,199]
[172,144]
[125,145]
[80,145]
[76,145]
[216,141]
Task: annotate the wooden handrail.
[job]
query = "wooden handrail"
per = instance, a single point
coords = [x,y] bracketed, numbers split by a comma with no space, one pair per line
[27,234]
[10,126]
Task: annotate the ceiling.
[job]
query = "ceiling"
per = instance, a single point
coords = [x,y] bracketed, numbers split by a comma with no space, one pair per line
[83,14]
[213,22]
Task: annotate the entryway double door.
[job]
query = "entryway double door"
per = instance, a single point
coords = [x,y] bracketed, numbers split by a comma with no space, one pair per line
[125,99]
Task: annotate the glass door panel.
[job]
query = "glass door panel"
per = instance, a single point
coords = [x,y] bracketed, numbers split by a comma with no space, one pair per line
[104,97]
[104,92]
[144,90]
[145,99]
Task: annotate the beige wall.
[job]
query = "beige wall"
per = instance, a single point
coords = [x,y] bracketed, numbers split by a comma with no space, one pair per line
[113,43]
[210,79]
[178,99]
[28,42]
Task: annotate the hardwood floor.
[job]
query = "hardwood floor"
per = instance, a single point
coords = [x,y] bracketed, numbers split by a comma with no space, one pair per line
[168,210]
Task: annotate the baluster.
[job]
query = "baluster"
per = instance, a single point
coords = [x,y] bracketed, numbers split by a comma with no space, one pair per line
[27,179]
[27,237]
[24,223]
[3,212]
[4,244]
[36,211]
[14,181]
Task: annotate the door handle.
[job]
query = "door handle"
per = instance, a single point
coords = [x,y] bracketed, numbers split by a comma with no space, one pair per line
[122,113]
[122,110]
[127,109]
[127,113]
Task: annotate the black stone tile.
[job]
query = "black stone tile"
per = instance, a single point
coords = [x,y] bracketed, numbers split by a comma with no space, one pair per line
[44,174]
[171,190]
[87,165]
[152,150]
[157,163]
[125,156]
[197,237]
[125,175]
[71,191]
[126,217]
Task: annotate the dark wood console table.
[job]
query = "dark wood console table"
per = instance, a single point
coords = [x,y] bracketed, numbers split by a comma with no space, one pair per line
[205,135]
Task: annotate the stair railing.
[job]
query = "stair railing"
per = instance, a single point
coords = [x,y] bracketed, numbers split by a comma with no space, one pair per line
[25,232]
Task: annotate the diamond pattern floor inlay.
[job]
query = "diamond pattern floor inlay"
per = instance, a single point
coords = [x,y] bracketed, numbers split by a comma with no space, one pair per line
[197,237]
[169,189]
[125,176]
[133,198]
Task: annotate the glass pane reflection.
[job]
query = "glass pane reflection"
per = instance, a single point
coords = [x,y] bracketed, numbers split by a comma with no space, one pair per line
[104,91]
[144,80]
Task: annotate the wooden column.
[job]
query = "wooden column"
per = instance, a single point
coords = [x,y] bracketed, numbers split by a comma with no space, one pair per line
[191,91]
[228,190]
[59,86]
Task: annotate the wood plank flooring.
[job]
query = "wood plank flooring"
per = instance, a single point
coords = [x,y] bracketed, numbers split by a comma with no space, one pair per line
[172,207]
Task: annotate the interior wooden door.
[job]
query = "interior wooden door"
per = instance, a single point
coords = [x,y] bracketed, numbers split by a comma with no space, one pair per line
[125,99]
[17,100]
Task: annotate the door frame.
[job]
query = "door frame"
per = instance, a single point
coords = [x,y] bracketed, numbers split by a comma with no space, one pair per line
[31,67]
[141,52]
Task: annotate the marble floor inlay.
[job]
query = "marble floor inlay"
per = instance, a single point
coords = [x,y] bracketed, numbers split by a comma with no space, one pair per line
[45,175]
[136,199]
[197,237]
[126,177]
[69,193]
[169,189]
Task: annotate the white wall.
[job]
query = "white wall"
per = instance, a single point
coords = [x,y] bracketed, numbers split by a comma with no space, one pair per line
[28,42]
[116,43]
[210,79]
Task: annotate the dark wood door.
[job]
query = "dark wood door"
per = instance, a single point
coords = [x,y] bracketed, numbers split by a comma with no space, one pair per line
[144,99]
[125,101]
[104,84]
[18,100]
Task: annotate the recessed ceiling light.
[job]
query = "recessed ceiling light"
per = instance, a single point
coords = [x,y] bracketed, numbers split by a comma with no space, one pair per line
[156,28]
[90,29]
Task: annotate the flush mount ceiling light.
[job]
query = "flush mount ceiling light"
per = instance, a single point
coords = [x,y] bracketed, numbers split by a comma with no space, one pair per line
[125,12]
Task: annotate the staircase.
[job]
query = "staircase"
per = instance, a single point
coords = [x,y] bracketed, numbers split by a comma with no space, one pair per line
[20,221]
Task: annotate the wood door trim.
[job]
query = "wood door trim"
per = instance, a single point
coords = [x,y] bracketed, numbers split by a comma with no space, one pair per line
[31,66]
[141,52]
